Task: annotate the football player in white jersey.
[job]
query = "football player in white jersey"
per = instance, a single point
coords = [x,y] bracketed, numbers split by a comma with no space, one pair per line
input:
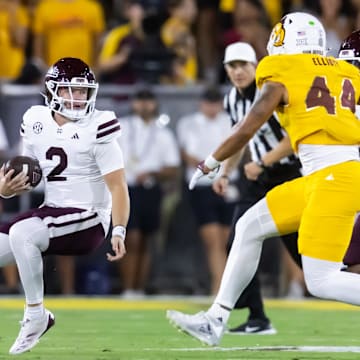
[84,177]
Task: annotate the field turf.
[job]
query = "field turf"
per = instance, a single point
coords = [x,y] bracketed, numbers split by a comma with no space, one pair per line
[114,329]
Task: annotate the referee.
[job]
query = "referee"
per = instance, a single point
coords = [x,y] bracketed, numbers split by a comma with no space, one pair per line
[272,163]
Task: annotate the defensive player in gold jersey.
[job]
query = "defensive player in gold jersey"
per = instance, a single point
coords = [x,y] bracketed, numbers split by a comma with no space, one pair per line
[315,98]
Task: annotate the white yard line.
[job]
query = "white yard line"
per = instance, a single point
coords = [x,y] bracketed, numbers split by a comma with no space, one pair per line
[320,349]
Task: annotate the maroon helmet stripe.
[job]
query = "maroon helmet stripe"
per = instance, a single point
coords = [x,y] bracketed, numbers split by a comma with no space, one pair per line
[104,133]
[107,124]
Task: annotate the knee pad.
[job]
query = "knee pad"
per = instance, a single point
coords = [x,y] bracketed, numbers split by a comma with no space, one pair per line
[257,223]
[31,230]
[321,276]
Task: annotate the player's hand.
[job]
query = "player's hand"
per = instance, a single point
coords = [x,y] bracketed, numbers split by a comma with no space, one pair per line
[198,174]
[208,167]
[220,185]
[253,170]
[118,246]
[13,186]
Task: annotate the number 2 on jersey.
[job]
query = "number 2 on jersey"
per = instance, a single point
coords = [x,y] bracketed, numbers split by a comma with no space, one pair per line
[319,95]
[54,174]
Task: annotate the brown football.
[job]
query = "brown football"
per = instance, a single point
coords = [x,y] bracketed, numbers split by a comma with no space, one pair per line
[27,164]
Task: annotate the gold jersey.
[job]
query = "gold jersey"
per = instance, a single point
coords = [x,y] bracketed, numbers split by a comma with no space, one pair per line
[322,95]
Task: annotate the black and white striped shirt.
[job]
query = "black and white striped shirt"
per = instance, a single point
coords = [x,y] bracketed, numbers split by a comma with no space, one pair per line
[268,136]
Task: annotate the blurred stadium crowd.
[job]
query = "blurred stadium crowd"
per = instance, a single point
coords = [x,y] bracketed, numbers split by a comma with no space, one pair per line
[178,42]
[138,43]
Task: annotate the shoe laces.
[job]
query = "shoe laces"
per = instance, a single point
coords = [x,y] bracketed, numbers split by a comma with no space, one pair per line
[24,327]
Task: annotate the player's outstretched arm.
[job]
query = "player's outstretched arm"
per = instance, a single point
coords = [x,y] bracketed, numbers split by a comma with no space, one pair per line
[117,185]
[271,95]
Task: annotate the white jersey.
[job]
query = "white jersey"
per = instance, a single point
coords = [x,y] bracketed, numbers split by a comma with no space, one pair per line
[74,157]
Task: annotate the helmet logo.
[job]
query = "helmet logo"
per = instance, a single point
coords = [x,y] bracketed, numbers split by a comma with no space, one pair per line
[53,71]
[278,35]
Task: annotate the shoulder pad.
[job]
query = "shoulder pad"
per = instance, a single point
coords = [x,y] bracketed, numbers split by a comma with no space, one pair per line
[272,68]
[35,114]
[108,126]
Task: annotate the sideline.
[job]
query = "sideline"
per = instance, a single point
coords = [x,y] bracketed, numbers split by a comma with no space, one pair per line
[161,303]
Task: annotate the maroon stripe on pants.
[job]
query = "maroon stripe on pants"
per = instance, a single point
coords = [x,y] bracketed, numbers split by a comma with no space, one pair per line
[77,243]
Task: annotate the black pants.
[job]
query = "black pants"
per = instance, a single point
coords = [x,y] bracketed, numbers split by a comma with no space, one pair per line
[251,192]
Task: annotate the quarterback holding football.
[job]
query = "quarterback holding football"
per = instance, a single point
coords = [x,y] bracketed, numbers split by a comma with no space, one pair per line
[83,172]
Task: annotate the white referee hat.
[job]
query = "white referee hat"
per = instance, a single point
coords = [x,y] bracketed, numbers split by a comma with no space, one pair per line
[240,51]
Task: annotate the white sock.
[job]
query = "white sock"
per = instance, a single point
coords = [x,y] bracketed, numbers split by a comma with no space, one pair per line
[219,312]
[34,312]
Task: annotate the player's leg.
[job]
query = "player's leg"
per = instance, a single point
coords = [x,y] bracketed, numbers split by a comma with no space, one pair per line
[269,217]
[258,223]
[40,231]
[251,229]
[251,298]
[28,238]
[325,232]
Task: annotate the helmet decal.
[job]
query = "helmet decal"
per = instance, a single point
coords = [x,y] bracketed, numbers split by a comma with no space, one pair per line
[278,35]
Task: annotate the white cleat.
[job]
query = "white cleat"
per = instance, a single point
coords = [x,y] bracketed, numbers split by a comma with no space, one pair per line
[201,326]
[31,331]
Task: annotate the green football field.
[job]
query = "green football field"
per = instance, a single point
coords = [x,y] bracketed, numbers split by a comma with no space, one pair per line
[111,328]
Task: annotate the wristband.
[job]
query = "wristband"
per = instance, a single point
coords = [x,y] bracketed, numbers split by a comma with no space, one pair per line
[119,230]
[211,163]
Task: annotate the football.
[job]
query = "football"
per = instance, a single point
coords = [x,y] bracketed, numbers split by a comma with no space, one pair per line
[27,164]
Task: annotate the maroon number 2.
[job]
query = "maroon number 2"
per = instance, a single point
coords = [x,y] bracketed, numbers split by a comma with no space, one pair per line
[54,174]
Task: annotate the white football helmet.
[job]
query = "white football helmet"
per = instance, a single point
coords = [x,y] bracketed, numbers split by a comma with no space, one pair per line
[297,33]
